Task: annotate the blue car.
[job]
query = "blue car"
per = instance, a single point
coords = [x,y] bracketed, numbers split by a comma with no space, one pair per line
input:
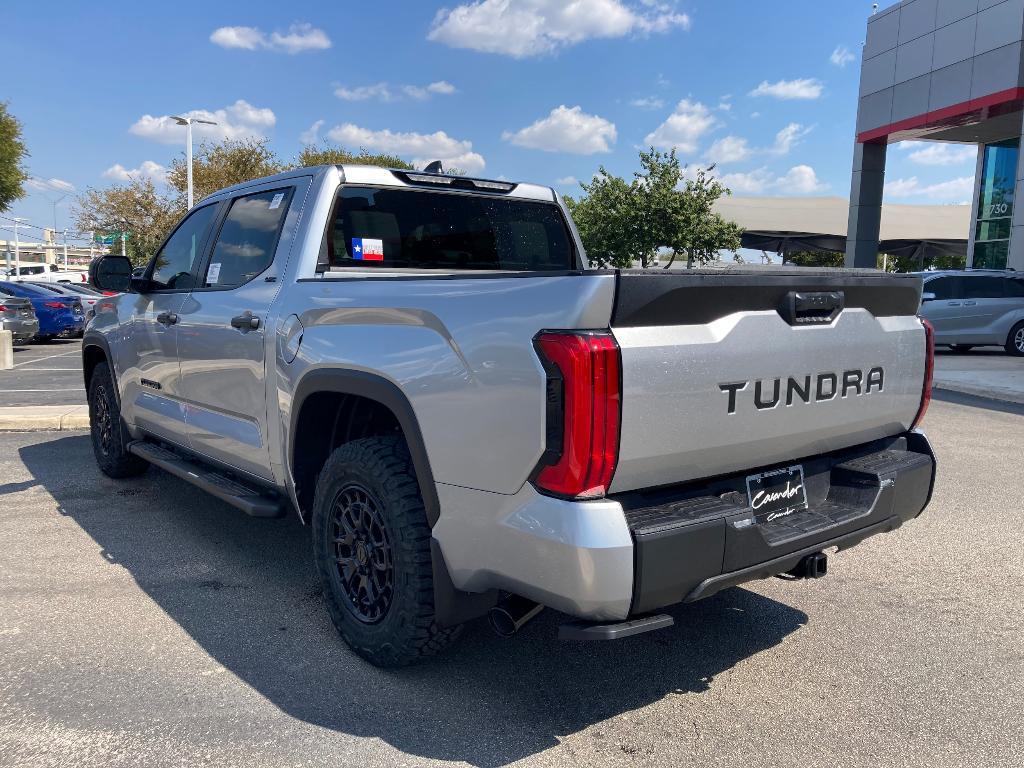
[58,315]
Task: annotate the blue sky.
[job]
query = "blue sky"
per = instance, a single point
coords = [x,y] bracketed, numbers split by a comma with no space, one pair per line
[532,90]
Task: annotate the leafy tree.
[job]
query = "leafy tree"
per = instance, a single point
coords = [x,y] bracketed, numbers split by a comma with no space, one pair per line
[816,258]
[215,166]
[325,154]
[12,158]
[622,222]
[136,207]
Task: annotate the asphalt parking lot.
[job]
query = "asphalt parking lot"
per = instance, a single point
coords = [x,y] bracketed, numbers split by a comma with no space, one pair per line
[44,374]
[144,623]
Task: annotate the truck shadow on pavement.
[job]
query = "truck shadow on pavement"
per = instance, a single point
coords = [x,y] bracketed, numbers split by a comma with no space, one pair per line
[245,590]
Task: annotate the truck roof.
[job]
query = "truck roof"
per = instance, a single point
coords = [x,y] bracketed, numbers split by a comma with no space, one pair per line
[354,173]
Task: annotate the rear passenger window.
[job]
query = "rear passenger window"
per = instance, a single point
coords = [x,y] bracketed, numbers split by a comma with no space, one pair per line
[983,287]
[248,238]
[1014,287]
[944,287]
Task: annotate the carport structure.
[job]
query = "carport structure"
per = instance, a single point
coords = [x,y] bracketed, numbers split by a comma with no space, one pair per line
[786,225]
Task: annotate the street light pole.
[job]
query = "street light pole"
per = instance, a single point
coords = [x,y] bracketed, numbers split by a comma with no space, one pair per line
[187,122]
[17,247]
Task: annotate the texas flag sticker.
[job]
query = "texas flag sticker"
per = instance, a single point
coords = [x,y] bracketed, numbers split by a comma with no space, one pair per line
[365,249]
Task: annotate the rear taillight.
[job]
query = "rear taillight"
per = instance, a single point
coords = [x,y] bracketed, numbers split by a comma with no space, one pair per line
[3,308]
[583,411]
[929,372]
[55,305]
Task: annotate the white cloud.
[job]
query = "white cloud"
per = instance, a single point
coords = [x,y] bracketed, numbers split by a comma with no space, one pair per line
[297,38]
[683,128]
[567,181]
[523,28]
[388,92]
[938,153]
[729,149]
[148,169]
[312,134]
[647,102]
[238,121]
[49,185]
[841,56]
[952,191]
[806,88]
[798,180]
[789,137]
[566,129]
[422,147]
[724,106]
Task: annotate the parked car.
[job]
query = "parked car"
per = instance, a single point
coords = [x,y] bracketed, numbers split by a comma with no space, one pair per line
[425,368]
[84,293]
[18,317]
[975,308]
[49,273]
[59,316]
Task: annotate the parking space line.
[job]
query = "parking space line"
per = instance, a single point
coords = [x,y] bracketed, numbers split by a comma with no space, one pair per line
[48,357]
[66,389]
[62,370]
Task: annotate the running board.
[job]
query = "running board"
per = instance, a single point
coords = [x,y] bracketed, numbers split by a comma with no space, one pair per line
[249,499]
[613,630]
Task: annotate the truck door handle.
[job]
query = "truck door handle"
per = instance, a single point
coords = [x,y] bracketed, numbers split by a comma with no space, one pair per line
[167,318]
[970,303]
[246,321]
[953,304]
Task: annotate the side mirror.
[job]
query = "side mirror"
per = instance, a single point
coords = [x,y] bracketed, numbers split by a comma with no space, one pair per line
[111,273]
[927,297]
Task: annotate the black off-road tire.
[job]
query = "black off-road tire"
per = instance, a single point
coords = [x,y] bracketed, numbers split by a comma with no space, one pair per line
[371,545]
[109,436]
[1015,340]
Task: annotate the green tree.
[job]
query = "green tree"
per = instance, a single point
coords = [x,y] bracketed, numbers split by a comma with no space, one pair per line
[623,222]
[223,164]
[136,207]
[816,258]
[325,154]
[12,159]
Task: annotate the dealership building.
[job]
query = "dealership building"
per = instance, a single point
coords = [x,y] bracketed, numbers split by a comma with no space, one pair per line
[951,71]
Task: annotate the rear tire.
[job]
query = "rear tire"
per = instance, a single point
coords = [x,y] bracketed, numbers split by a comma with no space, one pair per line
[1015,340]
[961,348]
[109,437]
[371,545]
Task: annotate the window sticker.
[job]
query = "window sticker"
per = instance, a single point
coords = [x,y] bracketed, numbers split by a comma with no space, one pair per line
[213,274]
[275,201]
[367,249]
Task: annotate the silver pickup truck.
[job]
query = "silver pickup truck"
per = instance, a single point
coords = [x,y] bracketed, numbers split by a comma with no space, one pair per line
[473,422]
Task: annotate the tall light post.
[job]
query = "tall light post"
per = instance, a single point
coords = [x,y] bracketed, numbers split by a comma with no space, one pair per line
[187,122]
[17,247]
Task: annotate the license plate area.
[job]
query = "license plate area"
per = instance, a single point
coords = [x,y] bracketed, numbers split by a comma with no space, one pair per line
[776,494]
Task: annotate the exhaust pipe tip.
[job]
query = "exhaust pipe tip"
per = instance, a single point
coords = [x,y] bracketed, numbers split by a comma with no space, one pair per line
[509,616]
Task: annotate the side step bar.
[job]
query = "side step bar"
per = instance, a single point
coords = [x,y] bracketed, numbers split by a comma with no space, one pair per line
[249,499]
[615,630]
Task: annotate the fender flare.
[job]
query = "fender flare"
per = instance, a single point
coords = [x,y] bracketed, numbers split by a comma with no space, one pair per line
[96,340]
[374,387]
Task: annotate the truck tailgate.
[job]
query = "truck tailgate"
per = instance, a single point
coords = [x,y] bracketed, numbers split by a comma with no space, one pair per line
[728,370]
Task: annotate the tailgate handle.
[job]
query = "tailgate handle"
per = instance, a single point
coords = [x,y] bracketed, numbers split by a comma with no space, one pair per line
[812,308]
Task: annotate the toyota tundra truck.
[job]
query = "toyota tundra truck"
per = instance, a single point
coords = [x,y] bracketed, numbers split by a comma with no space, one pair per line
[473,421]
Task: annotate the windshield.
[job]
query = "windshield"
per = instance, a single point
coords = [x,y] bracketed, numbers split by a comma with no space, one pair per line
[400,228]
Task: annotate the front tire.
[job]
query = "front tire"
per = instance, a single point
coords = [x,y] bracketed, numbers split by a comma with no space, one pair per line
[1015,340]
[109,436]
[371,545]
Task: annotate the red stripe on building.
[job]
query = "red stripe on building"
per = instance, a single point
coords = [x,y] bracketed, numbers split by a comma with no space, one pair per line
[947,116]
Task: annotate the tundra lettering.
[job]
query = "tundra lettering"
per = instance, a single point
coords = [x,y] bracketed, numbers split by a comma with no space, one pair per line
[800,389]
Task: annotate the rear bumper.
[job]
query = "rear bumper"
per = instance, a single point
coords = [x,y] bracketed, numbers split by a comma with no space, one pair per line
[22,329]
[614,558]
[706,539]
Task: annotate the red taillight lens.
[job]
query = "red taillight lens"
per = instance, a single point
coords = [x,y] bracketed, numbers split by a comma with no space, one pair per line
[54,305]
[588,399]
[929,372]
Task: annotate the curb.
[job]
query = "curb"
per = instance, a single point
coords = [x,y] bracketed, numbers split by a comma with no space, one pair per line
[987,394]
[44,418]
